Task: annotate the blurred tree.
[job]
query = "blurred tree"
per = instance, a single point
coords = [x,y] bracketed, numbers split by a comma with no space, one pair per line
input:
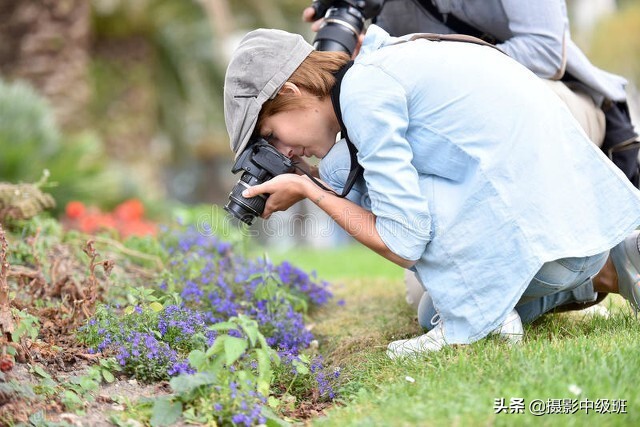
[31,146]
[45,42]
[185,44]
[615,43]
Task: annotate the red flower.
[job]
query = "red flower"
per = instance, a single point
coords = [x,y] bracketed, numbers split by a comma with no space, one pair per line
[126,219]
[6,363]
[75,210]
[137,228]
[129,210]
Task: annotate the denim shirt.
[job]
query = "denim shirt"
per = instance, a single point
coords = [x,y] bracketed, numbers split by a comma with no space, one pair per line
[474,168]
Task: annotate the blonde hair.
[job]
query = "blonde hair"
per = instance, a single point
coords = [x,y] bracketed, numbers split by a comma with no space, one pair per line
[315,75]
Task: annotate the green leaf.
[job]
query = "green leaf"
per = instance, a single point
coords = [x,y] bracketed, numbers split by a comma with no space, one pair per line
[165,412]
[266,290]
[37,369]
[234,348]
[272,419]
[273,402]
[156,306]
[217,346]
[252,332]
[185,383]
[197,359]
[71,399]
[131,300]
[265,372]
[108,376]
[263,386]
[27,326]
[301,367]
[223,326]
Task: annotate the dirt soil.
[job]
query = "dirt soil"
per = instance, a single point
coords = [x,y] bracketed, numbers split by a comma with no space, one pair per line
[110,399]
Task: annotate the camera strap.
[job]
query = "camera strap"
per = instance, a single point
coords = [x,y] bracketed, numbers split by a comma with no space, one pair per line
[355,170]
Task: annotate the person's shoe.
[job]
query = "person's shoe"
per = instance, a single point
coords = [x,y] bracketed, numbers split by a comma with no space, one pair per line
[431,341]
[626,260]
[510,330]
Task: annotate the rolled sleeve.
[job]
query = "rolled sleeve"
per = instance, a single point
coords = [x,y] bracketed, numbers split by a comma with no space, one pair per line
[401,238]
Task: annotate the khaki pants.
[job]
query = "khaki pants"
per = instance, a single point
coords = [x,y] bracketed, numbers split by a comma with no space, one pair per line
[585,111]
[590,117]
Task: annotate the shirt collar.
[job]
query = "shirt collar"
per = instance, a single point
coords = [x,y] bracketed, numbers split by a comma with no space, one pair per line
[374,39]
[377,38]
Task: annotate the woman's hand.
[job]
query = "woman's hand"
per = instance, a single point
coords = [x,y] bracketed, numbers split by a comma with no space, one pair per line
[309,15]
[284,191]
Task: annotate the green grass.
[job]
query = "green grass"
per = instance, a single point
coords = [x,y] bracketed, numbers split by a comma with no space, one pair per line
[560,354]
[344,262]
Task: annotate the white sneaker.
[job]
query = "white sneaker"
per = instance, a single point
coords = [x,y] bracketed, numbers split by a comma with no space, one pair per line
[596,310]
[431,341]
[511,330]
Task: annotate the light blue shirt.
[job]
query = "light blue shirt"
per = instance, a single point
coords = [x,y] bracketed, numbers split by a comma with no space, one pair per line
[476,169]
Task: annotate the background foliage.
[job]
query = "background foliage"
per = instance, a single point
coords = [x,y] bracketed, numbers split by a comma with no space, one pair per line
[141,82]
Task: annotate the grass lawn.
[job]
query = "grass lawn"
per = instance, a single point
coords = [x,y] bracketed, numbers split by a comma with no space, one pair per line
[344,262]
[567,362]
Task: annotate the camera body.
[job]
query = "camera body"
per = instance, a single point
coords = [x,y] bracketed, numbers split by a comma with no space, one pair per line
[343,22]
[260,162]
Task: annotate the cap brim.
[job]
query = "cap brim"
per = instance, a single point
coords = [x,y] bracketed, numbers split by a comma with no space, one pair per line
[247,137]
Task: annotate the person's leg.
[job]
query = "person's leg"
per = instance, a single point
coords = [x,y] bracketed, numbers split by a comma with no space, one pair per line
[427,314]
[414,289]
[586,112]
[587,292]
[560,282]
[556,283]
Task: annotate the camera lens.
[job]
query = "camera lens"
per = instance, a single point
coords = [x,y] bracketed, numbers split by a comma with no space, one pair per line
[341,30]
[245,209]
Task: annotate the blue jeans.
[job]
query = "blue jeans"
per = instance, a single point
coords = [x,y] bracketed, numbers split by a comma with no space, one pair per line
[558,282]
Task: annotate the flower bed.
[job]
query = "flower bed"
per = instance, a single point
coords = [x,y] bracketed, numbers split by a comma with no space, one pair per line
[228,332]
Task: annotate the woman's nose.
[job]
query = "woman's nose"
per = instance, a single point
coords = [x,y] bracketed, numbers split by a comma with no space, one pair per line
[286,151]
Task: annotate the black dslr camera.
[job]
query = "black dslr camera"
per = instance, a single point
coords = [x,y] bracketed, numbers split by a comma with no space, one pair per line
[260,162]
[343,22]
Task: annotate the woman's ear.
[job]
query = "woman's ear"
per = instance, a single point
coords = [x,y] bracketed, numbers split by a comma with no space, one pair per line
[290,89]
